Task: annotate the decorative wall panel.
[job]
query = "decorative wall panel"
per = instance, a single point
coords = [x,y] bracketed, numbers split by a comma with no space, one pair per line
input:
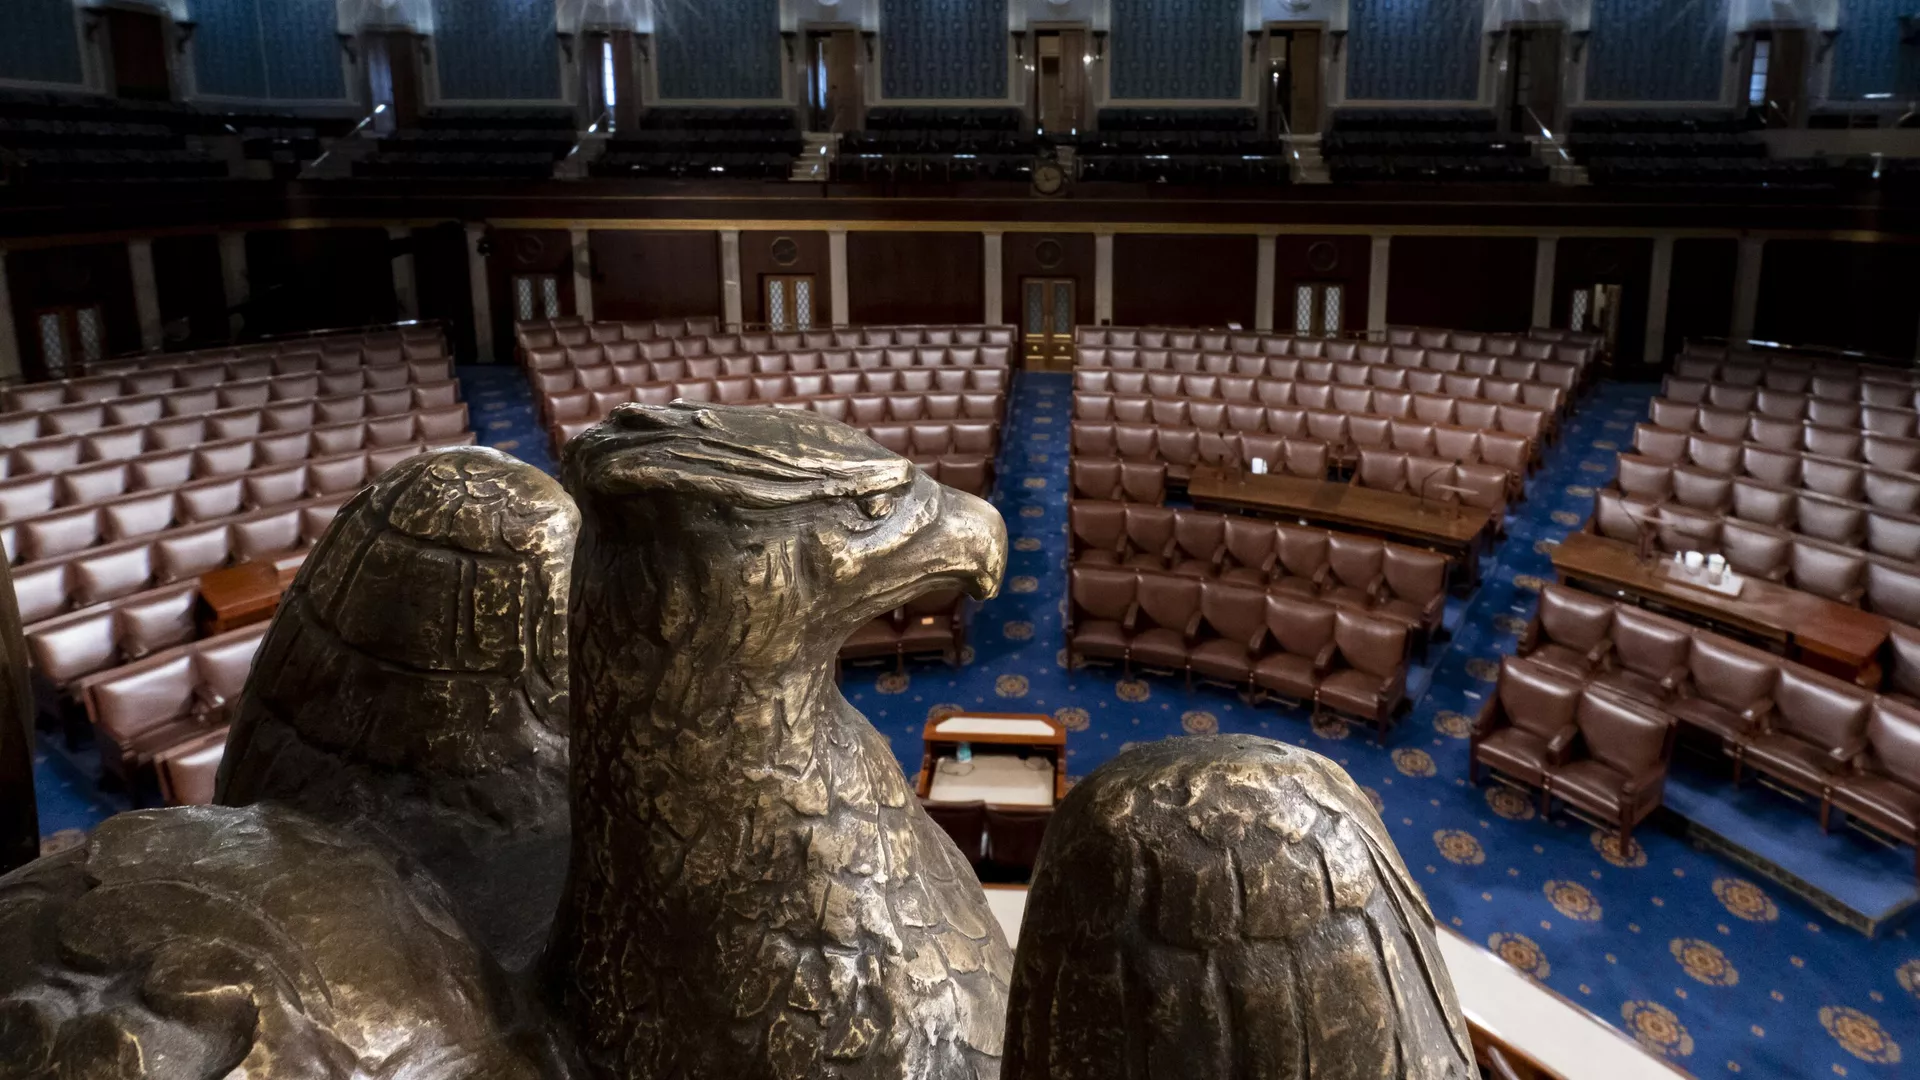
[496,50]
[1165,50]
[719,49]
[282,49]
[1657,50]
[1868,57]
[1413,50]
[943,49]
[40,43]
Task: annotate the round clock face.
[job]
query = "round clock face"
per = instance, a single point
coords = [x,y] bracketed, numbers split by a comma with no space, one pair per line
[1048,179]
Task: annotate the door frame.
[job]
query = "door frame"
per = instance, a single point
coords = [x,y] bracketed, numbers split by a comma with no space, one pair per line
[1503,81]
[1049,350]
[1030,84]
[1265,64]
[803,60]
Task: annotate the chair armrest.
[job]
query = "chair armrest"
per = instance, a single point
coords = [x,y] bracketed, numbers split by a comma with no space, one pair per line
[1673,679]
[1483,724]
[1324,660]
[1850,751]
[1758,713]
[1377,588]
[1852,596]
[1259,639]
[1599,653]
[1320,576]
[1192,628]
[1267,564]
[1529,637]
[1132,616]
[1560,744]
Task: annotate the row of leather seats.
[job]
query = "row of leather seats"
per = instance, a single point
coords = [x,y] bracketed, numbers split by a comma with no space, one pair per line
[67,584]
[67,532]
[337,368]
[1787,436]
[935,622]
[293,356]
[883,386]
[628,358]
[576,330]
[186,433]
[705,339]
[1705,462]
[1823,517]
[1246,636]
[1795,437]
[1831,739]
[1482,486]
[1392,367]
[1886,585]
[1180,448]
[197,389]
[1357,572]
[1557,348]
[1119,481]
[859,411]
[1600,752]
[68,648]
[1111,420]
[1533,420]
[1891,414]
[1786,369]
[173,699]
[990,380]
[280,405]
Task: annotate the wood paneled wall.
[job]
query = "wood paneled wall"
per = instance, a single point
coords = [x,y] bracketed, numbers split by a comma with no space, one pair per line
[77,276]
[1581,262]
[760,254]
[654,275]
[192,293]
[1849,295]
[443,282]
[1302,260]
[318,279]
[1163,280]
[909,277]
[1700,300]
[1462,282]
[525,251]
[1047,255]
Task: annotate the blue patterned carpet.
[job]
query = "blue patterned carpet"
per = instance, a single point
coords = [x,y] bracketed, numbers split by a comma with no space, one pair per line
[1683,950]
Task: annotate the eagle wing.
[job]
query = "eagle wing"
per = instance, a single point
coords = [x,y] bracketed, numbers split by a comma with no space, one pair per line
[208,942]
[413,685]
[1227,906]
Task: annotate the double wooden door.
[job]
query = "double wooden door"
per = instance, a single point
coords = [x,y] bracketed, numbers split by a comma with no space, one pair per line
[1046,322]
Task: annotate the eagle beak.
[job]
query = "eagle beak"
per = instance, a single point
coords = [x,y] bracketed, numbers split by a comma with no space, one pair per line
[973,543]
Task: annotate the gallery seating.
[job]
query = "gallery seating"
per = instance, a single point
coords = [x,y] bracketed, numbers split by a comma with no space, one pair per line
[1478,485]
[935,623]
[175,696]
[1880,782]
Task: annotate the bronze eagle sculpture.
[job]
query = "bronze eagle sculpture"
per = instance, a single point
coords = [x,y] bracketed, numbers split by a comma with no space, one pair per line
[533,782]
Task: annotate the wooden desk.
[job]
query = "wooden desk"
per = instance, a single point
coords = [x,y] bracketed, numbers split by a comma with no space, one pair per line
[1458,531]
[1832,637]
[1035,732]
[245,594]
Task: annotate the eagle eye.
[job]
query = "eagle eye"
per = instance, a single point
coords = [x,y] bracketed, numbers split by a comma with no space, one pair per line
[877,505]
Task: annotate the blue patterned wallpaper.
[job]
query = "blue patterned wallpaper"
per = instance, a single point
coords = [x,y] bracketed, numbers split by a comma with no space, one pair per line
[1657,50]
[1165,50]
[719,49]
[943,49]
[1413,50]
[283,49]
[1867,56]
[40,43]
[496,50]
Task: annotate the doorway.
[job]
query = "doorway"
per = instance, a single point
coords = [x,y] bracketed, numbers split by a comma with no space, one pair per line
[1060,81]
[606,73]
[70,335]
[833,80]
[1533,78]
[1319,309]
[1776,76]
[137,50]
[1596,309]
[789,301]
[1292,92]
[1046,320]
[393,78]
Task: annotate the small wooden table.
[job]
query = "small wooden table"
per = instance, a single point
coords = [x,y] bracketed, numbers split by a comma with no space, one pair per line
[1457,531]
[245,594]
[1003,777]
[1818,632]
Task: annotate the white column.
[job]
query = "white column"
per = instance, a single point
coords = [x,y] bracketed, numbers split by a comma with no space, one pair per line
[1746,286]
[10,365]
[1545,253]
[1103,279]
[482,296]
[1659,287]
[406,290]
[582,274]
[837,275]
[732,303]
[1264,281]
[146,295]
[233,276]
[995,280]
[1377,284]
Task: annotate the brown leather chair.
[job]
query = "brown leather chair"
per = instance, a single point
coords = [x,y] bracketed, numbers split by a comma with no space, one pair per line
[1881,783]
[1357,564]
[1649,658]
[1097,479]
[965,822]
[1235,622]
[1150,543]
[1526,722]
[1303,565]
[1302,634]
[1571,633]
[1253,550]
[1373,683]
[1616,770]
[1099,531]
[1101,610]
[1829,572]
[1728,690]
[1416,590]
[1014,834]
[1199,540]
[1817,724]
[1382,470]
[934,622]
[1143,483]
[189,773]
[1168,619]
[1903,673]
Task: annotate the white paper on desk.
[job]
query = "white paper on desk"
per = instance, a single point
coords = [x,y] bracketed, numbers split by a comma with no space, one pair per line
[1257,466]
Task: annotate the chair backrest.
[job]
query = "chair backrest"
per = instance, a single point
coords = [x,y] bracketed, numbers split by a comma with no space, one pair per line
[1301,627]
[965,822]
[1014,833]
[1375,646]
[1534,699]
[1727,674]
[1648,645]
[1236,613]
[1414,575]
[1169,601]
[1823,711]
[1303,551]
[1577,620]
[1893,732]
[1622,735]
[1102,592]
